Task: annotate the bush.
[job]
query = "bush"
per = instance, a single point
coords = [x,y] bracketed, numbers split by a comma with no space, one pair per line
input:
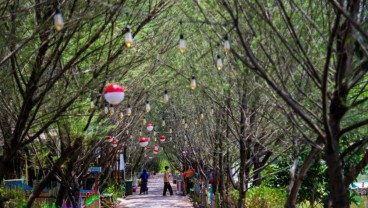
[17,197]
[262,196]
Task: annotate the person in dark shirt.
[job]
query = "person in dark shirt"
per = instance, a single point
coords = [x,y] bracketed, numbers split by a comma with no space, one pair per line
[144,180]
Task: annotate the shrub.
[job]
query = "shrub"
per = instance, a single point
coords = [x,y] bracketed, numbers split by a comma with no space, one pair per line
[262,196]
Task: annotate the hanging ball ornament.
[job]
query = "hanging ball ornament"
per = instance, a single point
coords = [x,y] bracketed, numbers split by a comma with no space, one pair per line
[114,94]
[162,138]
[149,127]
[143,142]
[115,143]
[109,139]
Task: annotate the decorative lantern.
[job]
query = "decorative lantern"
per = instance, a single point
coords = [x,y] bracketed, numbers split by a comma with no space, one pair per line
[129,111]
[182,44]
[162,138]
[144,121]
[140,133]
[186,125]
[148,148]
[166,97]
[92,106]
[226,44]
[201,116]
[109,139]
[143,142]
[145,155]
[128,37]
[193,83]
[114,94]
[149,127]
[219,63]
[111,110]
[58,20]
[121,115]
[163,122]
[106,110]
[115,143]
[148,106]
[183,120]
[154,133]
[150,158]
[170,131]
[170,139]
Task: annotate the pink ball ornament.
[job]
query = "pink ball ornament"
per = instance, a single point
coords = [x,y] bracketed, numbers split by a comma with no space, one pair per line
[162,138]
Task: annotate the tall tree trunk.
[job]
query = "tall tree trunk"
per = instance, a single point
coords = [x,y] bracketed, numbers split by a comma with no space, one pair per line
[335,174]
[242,185]
[292,197]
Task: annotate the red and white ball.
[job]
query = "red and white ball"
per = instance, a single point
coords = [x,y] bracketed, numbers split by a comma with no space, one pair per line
[149,127]
[109,139]
[114,94]
[162,138]
[143,142]
[115,143]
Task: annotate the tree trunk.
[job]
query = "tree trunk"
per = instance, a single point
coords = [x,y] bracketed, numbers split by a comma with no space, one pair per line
[335,174]
[242,185]
[293,194]
[60,196]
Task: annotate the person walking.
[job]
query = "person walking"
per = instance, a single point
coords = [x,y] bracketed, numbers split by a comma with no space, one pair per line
[167,182]
[144,180]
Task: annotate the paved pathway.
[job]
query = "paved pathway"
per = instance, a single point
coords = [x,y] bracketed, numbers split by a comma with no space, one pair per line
[154,197]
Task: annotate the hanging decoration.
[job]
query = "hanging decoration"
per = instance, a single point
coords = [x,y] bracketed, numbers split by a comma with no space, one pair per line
[128,37]
[121,116]
[226,44]
[115,143]
[193,83]
[58,20]
[155,150]
[183,120]
[170,131]
[166,97]
[144,120]
[154,133]
[150,157]
[186,125]
[170,138]
[162,138]
[163,122]
[129,111]
[182,44]
[145,155]
[201,116]
[219,63]
[143,142]
[149,127]
[106,110]
[140,133]
[92,105]
[148,106]
[114,94]
[109,139]
[111,110]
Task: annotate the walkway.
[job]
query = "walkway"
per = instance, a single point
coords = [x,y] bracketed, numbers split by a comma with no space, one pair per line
[154,197]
